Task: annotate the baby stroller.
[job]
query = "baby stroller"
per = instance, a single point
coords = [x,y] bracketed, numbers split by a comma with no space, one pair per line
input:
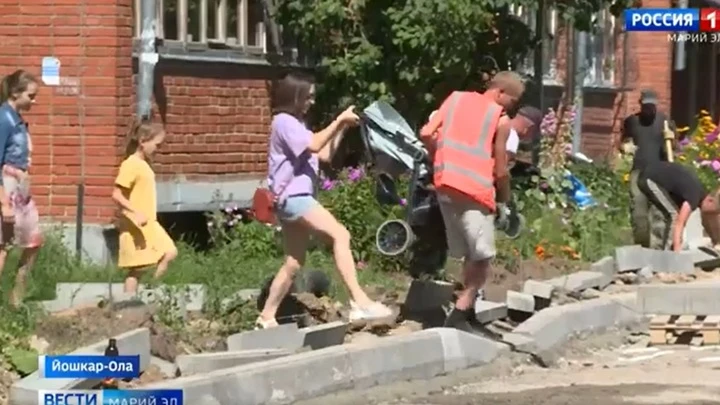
[393,149]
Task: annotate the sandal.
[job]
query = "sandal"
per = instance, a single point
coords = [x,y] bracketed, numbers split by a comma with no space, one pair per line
[263,324]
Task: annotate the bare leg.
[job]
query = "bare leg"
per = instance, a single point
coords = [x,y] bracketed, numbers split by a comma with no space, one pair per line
[295,240]
[131,281]
[164,262]
[27,259]
[475,274]
[3,257]
[321,220]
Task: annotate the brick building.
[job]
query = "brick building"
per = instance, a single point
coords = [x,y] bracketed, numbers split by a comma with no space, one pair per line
[214,99]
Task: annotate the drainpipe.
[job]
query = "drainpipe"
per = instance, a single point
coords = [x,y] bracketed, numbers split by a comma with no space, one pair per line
[680,46]
[539,74]
[580,64]
[147,60]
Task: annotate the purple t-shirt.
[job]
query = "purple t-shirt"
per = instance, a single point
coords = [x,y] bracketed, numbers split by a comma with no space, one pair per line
[292,168]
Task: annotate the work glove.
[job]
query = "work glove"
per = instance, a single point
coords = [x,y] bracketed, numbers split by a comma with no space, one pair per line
[502,220]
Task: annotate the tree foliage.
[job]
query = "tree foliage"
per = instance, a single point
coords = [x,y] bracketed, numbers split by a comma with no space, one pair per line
[411,52]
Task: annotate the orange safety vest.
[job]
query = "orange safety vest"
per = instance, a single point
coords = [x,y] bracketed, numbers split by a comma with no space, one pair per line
[463,159]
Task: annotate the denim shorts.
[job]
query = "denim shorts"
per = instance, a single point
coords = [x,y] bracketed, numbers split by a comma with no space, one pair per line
[294,207]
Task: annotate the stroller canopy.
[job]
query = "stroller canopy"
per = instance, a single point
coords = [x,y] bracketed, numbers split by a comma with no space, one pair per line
[389,134]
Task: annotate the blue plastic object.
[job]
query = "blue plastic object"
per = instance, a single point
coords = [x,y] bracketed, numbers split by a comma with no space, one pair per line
[578,193]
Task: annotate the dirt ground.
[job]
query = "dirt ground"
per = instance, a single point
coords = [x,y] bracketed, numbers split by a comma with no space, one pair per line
[610,369]
[503,279]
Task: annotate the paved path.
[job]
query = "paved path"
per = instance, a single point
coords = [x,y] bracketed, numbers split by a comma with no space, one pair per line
[592,374]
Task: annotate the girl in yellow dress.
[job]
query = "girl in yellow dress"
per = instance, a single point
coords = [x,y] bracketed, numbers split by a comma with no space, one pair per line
[143,241]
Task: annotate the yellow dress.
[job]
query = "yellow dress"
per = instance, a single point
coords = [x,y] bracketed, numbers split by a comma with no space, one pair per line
[140,246]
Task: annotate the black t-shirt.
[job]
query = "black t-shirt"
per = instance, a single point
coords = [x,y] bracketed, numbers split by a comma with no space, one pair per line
[648,137]
[680,182]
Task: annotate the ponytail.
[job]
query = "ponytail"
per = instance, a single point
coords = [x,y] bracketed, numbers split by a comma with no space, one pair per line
[141,130]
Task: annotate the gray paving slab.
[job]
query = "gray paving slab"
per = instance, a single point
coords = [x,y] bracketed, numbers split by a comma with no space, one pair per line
[285,336]
[69,295]
[518,301]
[553,326]
[352,366]
[606,265]
[190,364]
[581,280]
[665,261]
[135,342]
[488,311]
[538,289]
[428,295]
[630,258]
[705,260]
[325,335]
[679,299]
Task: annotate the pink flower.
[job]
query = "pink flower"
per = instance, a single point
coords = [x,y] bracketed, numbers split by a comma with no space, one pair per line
[327,185]
[705,163]
[355,174]
[715,165]
[361,265]
[403,202]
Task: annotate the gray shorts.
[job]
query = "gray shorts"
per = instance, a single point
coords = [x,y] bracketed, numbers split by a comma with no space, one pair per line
[470,229]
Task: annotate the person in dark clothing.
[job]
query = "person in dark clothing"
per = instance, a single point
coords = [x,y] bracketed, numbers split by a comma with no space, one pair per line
[645,130]
[675,191]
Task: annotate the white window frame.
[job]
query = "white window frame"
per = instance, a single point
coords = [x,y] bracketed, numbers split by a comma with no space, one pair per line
[601,50]
[550,42]
[249,32]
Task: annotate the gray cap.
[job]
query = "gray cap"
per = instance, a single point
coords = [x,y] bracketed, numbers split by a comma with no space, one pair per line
[648,97]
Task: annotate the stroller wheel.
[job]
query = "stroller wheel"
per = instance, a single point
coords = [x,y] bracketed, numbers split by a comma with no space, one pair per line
[393,237]
[516,226]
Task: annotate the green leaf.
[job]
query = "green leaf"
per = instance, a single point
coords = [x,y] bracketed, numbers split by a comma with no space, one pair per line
[23,360]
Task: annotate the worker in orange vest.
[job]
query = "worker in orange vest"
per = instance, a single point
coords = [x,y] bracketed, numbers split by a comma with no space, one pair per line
[467,140]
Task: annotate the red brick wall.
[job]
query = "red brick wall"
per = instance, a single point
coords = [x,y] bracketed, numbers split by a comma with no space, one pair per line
[649,66]
[73,133]
[217,117]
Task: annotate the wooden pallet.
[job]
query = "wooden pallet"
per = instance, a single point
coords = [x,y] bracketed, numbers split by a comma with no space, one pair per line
[685,329]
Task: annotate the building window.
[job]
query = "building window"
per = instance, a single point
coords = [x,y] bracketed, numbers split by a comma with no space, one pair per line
[600,51]
[229,23]
[550,44]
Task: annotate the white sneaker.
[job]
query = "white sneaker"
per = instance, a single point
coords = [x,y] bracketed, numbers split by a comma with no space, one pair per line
[372,312]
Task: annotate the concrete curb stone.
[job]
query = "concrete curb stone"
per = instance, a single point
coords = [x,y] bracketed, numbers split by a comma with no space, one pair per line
[25,391]
[324,335]
[553,326]
[679,299]
[286,336]
[606,266]
[581,280]
[190,364]
[352,366]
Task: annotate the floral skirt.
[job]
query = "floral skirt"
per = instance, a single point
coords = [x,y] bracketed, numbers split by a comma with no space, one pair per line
[25,231]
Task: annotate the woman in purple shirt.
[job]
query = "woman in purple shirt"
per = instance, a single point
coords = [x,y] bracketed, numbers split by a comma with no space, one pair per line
[292,175]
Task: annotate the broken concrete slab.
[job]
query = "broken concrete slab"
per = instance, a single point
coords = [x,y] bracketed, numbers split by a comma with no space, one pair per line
[243,295]
[324,335]
[522,302]
[679,299]
[581,280]
[286,336]
[665,261]
[705,258]
[488,311]
[694,233]
[428,295]
[352,366]
[630,258]
[134,342]
[539,289]
[190,364]
[551,327]
[168,369]
[542,292]
[606,265]
[72,294]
